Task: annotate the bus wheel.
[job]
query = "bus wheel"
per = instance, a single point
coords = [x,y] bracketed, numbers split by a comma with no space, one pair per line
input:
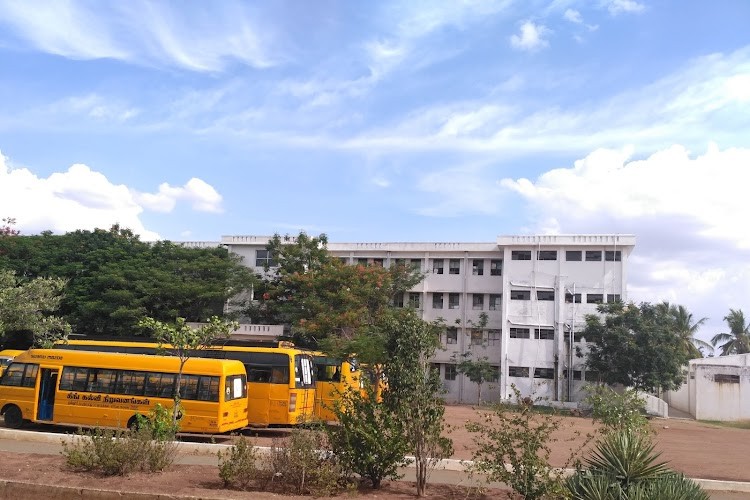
[133,423]
[13,417]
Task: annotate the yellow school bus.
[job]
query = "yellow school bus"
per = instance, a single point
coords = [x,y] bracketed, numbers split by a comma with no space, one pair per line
[6,356]
[96,389]
[333,378]
[280,378]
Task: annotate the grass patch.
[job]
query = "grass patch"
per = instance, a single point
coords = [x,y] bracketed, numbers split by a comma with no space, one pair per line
[738,424]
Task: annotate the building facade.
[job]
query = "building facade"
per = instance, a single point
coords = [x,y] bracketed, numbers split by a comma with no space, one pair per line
[520,302]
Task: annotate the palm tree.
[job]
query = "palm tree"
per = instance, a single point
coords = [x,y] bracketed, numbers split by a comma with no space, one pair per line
[737,341]
[685,328]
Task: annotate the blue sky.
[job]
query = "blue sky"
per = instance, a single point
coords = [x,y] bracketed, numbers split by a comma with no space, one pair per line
[391,121]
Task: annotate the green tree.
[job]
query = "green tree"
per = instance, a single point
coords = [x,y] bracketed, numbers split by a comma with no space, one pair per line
[6,229]
[737,341]
[28,306]
[368,439]
[114,279]
[636,346]
[182,341]
[323,299]
[414,389]
[478,370]
[686,327]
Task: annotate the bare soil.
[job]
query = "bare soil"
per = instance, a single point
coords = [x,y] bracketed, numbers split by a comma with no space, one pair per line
[699,450]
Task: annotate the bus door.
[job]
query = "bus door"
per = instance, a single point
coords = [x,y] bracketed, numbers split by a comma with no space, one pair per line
[47,388]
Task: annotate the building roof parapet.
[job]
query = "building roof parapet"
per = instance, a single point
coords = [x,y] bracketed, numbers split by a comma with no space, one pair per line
[198,244]
[624,240]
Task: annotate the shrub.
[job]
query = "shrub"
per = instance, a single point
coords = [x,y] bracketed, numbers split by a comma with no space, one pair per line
[304,464]
[369,440]
[118,452]
[159,422]
[615,410]
[238,466]
[623,466]
[513,446]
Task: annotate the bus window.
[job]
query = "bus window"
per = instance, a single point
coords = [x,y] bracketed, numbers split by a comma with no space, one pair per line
[101,380]
[20,375]
[131,382]
[303,370]
[208,389]
[236,388]
[160,385]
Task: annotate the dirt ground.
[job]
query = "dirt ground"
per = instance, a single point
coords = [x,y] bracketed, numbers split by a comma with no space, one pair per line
[699,450]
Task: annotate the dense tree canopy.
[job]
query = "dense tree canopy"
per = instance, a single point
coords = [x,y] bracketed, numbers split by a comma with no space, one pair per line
[322,298]
[636,346]
[27,310]
[114,279]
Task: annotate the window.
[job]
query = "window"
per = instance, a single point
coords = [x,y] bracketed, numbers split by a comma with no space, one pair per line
[494,336]
[496,267]
[159,385]
[398,300]
[20,375]
[477,267]
[450,372]
[576,374]
[591,376]
[495,301]
[400,262]
[574,256]
[547,373]
[453,301]
[613,297]
[724,378]
[437,266]
[416,264]
[477,336]
[520,255]
[103,381]
[435,369]
[518,371]
[236,387]
[377,262]
[451,336]
[613,255]
[477,301]
[520,295]
[593,255]
[495,375]
[263,258]
[578,337]
[414,301]
[454,266]
[594,298]
[544,334]
[437,300]
[519,333]
[545,295]
[344,260]
[362,261]
[571,298]
[546,255]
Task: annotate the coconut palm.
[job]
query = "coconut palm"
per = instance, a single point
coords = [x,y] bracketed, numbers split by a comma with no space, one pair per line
[686,327]
[737,341]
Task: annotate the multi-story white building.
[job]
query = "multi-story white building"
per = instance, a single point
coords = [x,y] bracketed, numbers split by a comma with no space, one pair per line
[533,291]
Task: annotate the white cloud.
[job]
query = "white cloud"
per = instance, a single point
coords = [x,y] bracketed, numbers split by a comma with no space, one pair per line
[708,189]
[531,37]
[688,212]
[707,98]
[573,16]
[82,198]
[616,7]
[141,32]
